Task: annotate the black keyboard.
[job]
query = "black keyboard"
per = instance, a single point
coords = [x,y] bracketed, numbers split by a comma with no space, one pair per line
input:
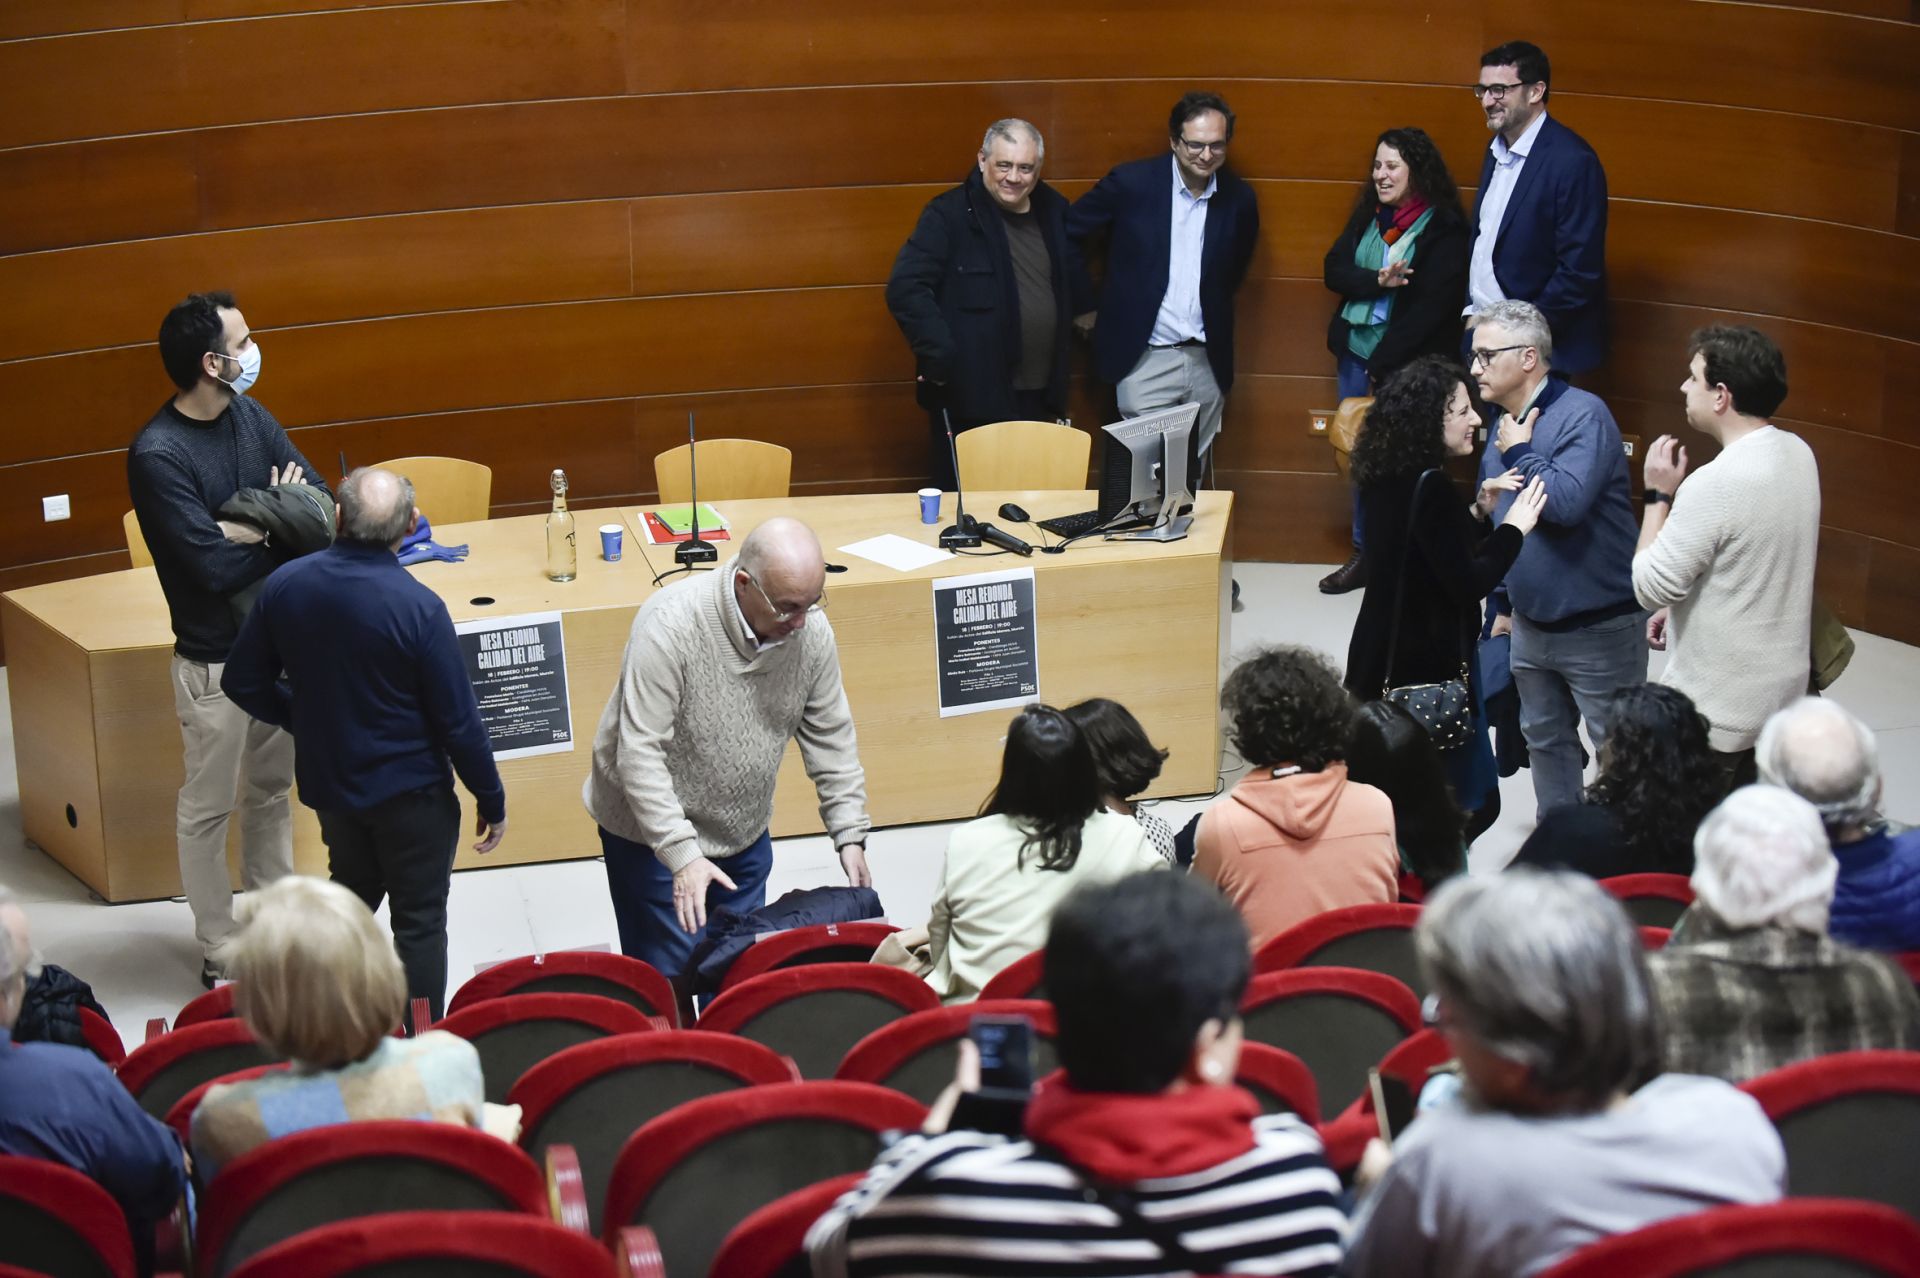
[1073,525]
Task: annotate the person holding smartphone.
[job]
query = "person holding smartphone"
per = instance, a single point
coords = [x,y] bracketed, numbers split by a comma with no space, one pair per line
[1139,1156]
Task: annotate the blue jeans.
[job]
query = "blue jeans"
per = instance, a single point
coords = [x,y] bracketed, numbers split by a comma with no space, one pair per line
[642,891]
[1353,385]
[1563,677]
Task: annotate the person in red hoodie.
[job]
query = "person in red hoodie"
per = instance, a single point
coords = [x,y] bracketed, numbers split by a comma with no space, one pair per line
[1140,1156]
[1294,837]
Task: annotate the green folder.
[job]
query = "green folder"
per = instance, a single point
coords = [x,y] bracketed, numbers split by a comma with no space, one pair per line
[679,519]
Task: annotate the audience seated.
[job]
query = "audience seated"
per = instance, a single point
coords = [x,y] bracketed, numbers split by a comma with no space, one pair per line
[1044,830]
[1141,1155]
[1295,837]
[1658,777]
[1393,753]
[1540,988]
[318,982]
[1830,759]
[1126,761]
[62,1104]
[1749,980]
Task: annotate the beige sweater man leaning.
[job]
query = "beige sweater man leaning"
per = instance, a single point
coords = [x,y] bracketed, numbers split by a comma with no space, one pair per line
[1727,558]
[721,670]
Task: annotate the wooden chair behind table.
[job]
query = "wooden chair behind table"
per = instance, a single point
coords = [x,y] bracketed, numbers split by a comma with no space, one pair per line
[730,470]
[448,490]
[136,542]
[1018,455]
[1343,427]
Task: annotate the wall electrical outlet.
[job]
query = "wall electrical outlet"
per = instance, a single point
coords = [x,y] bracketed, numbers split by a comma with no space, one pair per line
[55,508]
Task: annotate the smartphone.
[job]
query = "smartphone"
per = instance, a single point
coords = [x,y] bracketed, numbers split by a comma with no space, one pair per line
[1393,1104]
[1006,1054]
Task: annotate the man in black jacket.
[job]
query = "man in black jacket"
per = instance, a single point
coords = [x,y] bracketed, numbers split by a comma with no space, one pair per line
[205,444]
[982,291]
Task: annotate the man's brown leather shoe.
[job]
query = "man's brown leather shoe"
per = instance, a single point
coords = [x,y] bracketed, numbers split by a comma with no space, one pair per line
[1348,576]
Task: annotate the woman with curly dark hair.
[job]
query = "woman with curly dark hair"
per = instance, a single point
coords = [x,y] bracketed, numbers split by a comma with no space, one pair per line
[1433,557]
[1658,780]
[1400,270]
[1390,750]
[1294,837]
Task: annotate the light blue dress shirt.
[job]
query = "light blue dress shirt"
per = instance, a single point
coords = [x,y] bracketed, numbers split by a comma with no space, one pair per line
[1482,288]
[1179,319]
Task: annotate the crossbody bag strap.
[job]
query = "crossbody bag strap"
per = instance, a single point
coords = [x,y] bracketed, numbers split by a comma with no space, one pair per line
[1400,586]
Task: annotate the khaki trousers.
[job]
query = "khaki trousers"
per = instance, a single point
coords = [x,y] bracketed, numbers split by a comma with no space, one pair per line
[232,761]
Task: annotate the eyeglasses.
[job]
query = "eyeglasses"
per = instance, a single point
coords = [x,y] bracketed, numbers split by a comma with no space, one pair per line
[781,618]
[1496,91]
[1201,148]
[1482,357]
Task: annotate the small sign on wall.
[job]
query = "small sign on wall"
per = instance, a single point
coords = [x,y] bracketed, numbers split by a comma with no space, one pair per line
[986,641]
[518,666]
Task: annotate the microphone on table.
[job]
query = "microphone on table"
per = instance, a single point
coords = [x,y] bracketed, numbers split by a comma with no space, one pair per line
[1002,538]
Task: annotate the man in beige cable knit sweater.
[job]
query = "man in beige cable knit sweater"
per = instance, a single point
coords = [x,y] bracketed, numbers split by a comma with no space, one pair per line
[720,671]
[1730,569]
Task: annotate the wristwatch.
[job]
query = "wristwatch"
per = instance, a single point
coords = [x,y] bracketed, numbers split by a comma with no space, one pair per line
[1654,494]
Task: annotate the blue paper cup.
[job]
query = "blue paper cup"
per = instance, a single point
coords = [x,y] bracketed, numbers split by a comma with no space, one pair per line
[929,505]
[610,538]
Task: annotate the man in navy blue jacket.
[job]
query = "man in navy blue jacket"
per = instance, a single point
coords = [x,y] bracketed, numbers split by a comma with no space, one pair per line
[1180,232]
[1540,216]
[379,702]
[982,291]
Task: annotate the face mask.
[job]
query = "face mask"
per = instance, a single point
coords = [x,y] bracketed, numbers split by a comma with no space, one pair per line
[249,361]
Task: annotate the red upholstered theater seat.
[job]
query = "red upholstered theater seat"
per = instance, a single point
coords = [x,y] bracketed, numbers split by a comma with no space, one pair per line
[816,1013]
[614,976]
[1279,1080]
[1411,1062]
[162,1070]
[514,1034]
[215,1005]
[1025,977]
[1850,1123]
[594,1096]
[1338,1020]
[1373,938]
[916,1054]
[329,1174]
[1808,1238]
[698,1171]
[1651,900]
[180,1117]
[822,943]
[103,1040]
[433,1244]
[771,1243]
[54,1220]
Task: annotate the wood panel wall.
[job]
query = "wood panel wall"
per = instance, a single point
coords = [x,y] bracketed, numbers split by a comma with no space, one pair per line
[537,232]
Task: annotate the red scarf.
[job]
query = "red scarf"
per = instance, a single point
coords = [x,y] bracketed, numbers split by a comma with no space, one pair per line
[1123,1138]
[1394,222]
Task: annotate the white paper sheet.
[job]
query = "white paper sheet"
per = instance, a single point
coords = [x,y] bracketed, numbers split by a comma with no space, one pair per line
[894,551]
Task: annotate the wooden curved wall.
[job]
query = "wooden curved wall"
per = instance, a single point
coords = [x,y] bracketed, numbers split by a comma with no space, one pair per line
[537,232]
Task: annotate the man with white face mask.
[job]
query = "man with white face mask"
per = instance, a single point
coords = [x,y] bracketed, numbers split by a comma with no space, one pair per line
[204,445]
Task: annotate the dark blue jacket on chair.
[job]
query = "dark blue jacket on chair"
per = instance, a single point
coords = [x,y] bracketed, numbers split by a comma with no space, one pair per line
[1133,204]
[1551,249]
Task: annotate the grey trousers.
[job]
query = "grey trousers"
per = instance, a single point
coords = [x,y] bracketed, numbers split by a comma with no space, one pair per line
[1566,676]
[1169,375]
[232,761]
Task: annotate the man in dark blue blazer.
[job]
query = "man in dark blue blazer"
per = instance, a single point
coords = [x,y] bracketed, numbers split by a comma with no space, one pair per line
[1180,232]
[1540,216]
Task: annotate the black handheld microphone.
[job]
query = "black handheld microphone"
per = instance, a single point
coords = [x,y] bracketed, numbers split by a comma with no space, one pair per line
[1003,539]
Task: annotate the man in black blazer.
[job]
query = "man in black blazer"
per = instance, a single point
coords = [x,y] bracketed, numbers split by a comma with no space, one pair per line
[1180,233]
[982,291]
[1540,216]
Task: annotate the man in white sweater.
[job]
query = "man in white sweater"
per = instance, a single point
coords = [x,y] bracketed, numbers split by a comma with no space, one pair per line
[721,670]
[1727,559]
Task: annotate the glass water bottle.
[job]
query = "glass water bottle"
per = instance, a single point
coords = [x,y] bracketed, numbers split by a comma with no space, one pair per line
[563,555]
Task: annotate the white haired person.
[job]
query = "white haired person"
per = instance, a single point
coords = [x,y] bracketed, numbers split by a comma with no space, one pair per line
[1568,1133]
[1829,758]
[319,985]
[1750,980]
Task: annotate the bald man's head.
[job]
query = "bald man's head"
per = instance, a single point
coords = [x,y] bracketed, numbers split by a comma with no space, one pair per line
[376,506]
[1827,757]
[779,573]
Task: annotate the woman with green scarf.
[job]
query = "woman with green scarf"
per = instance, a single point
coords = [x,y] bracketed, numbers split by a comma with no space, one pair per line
[1400,269]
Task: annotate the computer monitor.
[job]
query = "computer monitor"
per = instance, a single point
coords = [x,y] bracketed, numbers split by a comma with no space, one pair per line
[1146,492]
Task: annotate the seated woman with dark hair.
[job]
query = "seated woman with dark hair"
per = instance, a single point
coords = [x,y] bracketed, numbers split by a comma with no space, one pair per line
[1126,762]
[1659,777]
[1393,753]
[1141,1155]
[1540,988]
[1295,837]
[1042,832]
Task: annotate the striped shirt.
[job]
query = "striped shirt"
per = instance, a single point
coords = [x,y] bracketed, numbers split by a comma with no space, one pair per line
[972,1204]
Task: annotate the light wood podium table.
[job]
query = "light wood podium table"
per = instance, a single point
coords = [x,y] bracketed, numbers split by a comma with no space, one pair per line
[98,745]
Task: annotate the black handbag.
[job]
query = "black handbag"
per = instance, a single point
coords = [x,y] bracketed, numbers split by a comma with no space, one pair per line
[1445,710]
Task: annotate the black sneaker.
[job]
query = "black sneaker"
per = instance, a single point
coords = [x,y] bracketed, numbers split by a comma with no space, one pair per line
[211,973]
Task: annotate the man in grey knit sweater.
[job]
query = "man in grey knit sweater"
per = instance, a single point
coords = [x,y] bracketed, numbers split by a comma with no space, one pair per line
[720,671]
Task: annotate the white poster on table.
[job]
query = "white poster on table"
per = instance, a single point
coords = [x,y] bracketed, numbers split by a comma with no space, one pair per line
[986,641]
[518,666]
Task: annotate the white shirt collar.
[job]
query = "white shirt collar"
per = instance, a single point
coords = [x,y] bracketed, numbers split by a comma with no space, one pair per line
[1504,154]
[1180,183]
[746,627]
